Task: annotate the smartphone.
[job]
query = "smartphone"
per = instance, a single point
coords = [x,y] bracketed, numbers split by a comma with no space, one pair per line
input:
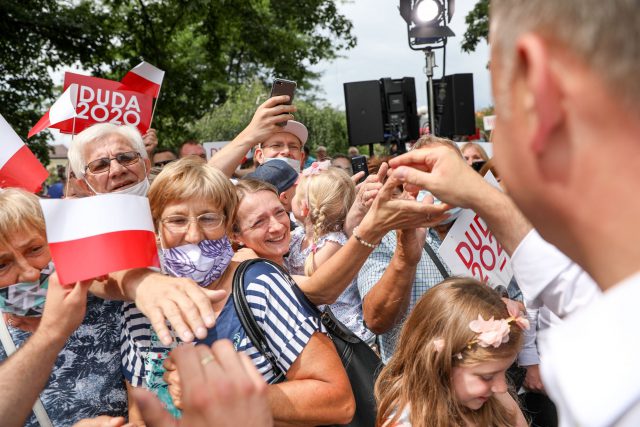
[359,163]
[283,87]
[478,165]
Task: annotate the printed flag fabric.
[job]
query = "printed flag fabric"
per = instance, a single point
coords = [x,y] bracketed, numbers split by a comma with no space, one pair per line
[63,109]
[144,78]
[94,236]
[19,167]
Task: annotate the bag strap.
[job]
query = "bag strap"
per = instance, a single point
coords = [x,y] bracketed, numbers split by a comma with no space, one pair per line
[248,321]
[10,348]
[436,260]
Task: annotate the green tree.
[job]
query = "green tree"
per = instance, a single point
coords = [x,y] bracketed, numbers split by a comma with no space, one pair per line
[37,36]
[206,47]
[327,126]
[477,21]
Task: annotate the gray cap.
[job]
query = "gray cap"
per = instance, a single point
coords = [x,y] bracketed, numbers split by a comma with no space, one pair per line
[276,172]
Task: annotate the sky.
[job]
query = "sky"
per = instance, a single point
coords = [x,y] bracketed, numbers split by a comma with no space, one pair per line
[383,51]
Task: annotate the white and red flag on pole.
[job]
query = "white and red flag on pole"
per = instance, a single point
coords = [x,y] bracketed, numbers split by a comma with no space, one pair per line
[18,165]
[94,236]
[144,78]
[63,109]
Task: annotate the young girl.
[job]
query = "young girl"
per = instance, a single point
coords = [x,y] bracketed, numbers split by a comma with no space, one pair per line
[450,363]
[323,197]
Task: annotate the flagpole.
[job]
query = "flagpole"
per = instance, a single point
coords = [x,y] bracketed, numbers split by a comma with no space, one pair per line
[155,103]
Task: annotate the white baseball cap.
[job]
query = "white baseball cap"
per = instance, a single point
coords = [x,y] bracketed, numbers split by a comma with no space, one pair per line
[297,129]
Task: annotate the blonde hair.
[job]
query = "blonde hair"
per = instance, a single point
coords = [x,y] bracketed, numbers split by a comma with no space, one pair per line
[603,34]
[251,186]
[19,211]
[478,148]
[429,140]
[420,377]
[329,196]
[189,178]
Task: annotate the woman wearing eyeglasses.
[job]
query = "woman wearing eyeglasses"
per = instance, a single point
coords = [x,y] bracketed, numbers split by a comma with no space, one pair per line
[193,207]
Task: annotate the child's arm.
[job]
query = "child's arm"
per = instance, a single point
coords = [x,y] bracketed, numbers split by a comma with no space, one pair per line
[324,253]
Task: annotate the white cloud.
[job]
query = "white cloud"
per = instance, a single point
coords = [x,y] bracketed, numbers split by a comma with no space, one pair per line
[383,51]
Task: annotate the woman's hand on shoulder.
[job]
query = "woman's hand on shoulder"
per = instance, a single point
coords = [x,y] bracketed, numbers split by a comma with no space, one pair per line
[187,306]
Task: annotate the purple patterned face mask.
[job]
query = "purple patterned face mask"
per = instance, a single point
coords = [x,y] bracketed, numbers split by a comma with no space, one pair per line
[204,262]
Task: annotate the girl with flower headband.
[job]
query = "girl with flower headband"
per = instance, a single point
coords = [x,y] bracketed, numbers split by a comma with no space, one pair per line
[450,362]
[323,197]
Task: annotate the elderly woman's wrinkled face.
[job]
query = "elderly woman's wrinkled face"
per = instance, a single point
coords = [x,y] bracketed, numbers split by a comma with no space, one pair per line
[23,257]
[125,166]
[190,222]
[264,225]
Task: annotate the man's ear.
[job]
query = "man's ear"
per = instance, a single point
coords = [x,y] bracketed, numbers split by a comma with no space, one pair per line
[147,164]
[259,155]
[541,91]
[283,197]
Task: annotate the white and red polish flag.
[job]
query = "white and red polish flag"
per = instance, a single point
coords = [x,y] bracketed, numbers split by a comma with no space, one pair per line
[18,165]
[94,236]
[63,109]
[144,78]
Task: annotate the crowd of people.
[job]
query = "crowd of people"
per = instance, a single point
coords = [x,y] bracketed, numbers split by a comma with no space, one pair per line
[300,247]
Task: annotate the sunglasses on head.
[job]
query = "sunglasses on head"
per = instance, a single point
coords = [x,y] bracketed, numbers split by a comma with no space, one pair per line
[104,164]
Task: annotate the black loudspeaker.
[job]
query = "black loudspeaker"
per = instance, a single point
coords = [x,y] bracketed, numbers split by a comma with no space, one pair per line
[400,109]
[454,106]
[364,112]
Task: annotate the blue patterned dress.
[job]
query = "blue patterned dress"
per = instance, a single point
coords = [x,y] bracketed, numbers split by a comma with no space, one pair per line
[86,380]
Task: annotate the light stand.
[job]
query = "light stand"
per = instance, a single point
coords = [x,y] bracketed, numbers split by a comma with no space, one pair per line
[430,57]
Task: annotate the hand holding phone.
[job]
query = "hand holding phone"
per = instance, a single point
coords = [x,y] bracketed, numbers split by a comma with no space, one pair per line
[359,163]
[283,87]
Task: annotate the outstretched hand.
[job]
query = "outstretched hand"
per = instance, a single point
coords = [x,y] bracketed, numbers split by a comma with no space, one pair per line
[181,301]
[443,172]
[221,388]
[390,211]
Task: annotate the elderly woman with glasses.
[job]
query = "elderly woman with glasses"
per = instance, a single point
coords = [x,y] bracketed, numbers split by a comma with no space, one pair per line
[193,207]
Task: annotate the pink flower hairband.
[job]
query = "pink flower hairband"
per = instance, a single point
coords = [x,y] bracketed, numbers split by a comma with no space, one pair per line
[316,168]
[491,332]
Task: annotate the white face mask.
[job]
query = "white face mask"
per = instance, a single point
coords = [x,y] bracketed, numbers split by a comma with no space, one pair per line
[295,164]
[139,189]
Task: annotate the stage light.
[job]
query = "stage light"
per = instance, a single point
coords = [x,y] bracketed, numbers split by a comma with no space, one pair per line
[427,11]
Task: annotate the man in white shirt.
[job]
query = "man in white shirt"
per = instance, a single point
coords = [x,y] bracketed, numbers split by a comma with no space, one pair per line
[566,93]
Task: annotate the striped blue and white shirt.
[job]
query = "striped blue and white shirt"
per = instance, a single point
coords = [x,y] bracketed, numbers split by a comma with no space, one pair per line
[286,323]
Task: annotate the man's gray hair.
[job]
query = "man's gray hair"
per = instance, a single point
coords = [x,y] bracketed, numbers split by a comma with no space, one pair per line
[97,133]
[603,34]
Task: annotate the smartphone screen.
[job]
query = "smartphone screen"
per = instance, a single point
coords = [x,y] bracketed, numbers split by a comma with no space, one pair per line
[359,163]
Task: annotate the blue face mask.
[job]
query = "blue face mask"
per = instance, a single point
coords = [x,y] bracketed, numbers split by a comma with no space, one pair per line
[27,298]
[203,263]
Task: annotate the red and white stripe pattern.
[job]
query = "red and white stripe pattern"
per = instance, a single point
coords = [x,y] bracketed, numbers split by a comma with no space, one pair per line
[144,78]
[94,236]
[18,166]
[63,109]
